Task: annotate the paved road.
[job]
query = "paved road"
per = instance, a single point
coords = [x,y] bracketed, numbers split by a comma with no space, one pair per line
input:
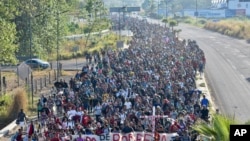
[227,69]
[66,65]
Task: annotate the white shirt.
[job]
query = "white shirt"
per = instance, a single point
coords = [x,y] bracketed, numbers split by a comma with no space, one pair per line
[71,113]
[122,117]
[98,110]
[128,104]
[79,113]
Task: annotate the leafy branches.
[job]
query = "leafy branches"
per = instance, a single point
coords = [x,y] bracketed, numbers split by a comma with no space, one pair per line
[7,39]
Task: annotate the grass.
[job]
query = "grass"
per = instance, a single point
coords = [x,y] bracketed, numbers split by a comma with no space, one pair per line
[234,27]
[95,44]
[200,22]
[202,85]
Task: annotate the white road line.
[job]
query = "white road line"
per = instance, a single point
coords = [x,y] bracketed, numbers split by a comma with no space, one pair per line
[242,76]
[242,56]
[231,64]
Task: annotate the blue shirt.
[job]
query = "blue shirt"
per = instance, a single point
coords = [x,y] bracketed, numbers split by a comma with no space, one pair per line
[205,102]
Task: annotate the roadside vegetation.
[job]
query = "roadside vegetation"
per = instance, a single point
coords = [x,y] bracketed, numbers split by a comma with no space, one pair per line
[234,27]
[11,103]
[37,28]
[237,27]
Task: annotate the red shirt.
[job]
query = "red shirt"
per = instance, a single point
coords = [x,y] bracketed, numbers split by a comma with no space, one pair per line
[98,131]
[19,137]
[86,119]
[54,139]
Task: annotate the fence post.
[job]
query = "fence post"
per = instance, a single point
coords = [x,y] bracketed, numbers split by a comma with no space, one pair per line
[26,81]
[49,78]
[18,81]
[32,89]
[41,83]
[55,74]
[35,86]
[60,70]
[4,82]
[51,65]
[45,83]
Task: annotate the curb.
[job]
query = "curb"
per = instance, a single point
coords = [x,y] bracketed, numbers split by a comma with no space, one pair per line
[205,90]
[5,131]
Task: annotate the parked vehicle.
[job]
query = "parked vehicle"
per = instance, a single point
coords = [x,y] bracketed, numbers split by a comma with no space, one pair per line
[37,64]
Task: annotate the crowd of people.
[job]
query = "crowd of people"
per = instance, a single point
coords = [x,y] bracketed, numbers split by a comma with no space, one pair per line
[117,88]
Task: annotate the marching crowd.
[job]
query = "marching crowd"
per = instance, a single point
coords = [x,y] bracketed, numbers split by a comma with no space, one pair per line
[115,89]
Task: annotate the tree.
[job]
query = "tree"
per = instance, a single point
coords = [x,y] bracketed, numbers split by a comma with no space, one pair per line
[95,7]
[7,40]
[165,20]
[172,23]
[219,128]
[8,45]
[37,21]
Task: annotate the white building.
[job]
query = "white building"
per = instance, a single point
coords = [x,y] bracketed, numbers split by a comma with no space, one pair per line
[242,7]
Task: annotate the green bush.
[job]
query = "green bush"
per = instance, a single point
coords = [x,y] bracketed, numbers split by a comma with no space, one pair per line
[202,21]
[5,102]
[86,30]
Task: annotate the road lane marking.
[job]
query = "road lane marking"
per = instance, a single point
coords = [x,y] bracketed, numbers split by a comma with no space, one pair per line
[242,76]
[231,64]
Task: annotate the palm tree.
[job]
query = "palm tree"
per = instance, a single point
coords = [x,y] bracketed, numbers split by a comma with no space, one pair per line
[218,129]
[172,24]
[177,32]
[165,20]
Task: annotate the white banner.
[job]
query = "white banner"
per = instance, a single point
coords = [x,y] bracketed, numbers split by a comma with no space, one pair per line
[135,136]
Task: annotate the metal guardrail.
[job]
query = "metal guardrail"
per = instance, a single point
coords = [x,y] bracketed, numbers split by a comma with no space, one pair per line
[78,36]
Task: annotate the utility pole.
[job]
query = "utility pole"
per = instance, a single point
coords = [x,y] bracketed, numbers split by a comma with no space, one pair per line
[57,46]
[158,4]
[166,8]
[196,12]
[119,24]
[31,75]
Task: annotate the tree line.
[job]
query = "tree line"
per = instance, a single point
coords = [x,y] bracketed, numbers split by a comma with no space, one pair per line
[31,28]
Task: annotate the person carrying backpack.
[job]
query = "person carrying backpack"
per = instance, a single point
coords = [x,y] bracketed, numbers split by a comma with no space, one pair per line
[21,118]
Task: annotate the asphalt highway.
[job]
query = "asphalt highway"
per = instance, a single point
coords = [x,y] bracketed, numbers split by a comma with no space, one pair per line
[227,70]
